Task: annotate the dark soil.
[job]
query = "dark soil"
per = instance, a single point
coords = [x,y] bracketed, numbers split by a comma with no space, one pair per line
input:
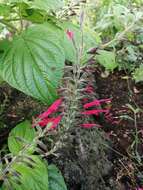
[14,108]
[127,168]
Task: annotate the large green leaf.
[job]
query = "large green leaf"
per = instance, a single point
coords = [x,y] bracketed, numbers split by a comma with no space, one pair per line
[34,64]
[44,5]
[31,178]
[65,42]
[56,180]
[20,136]
[107,59]
[47,4]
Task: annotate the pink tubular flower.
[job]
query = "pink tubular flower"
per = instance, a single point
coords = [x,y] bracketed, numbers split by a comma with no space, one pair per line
[70,34]
[43,122]
[97,103]
[44,119]
[56,121]
[90,125]
[52,109]
[138,188]
[94,112]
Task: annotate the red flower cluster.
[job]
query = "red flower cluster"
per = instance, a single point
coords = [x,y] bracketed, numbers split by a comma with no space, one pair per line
[44,118]
[94,111]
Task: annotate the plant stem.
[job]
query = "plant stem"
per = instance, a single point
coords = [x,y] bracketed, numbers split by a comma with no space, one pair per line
[10,26]
[136,134]
[20,15]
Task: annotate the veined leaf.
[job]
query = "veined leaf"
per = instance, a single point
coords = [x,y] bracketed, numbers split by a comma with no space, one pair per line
[56,180]
[20,136]
[44,5]
[28,178]
[34,63]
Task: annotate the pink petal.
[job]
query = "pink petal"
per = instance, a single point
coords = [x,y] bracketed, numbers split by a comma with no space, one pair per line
[108,100]
[56,121]
[70,34]
[90,125]
[44,122]
[53,108]
[96,103]
[94,112]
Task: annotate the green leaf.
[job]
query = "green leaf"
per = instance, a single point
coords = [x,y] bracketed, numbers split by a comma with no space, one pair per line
[56,180]
[69,49]
[4,10]
[107,59]
[138,74]
[47,4]
[34,64]
[1,80]
[4,46]
[31,178]
[20,136]
[32,15]
[65,43]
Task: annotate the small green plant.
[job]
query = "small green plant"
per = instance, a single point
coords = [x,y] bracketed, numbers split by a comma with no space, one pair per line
[136,141]
[24,168]
[119,27]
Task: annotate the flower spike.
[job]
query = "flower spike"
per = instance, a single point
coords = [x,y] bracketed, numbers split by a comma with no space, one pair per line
[52,109]
[94,112]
